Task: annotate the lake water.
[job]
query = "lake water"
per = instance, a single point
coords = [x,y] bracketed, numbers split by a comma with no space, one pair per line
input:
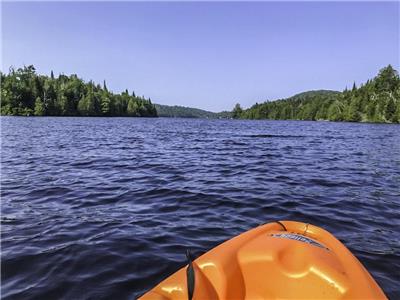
[105,208]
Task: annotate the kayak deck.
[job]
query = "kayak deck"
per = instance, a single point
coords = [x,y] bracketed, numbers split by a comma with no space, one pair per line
[285,260]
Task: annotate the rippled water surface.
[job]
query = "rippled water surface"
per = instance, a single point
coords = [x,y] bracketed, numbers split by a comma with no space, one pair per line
[104,208]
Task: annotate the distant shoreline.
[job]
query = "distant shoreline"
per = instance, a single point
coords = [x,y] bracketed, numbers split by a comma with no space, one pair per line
[197,118]
[25,93]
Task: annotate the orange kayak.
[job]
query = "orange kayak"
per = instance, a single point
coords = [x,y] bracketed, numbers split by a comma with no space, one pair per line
[280,260]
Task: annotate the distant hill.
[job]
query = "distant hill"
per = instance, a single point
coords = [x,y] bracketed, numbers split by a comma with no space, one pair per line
[176,111]
[378,100]
[315,93]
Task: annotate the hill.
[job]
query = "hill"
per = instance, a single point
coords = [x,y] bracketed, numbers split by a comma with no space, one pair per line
[188,112]
[378,100]
[315,93]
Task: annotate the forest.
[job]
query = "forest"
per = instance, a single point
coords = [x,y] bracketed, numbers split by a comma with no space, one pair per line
[378,100]
[25,93]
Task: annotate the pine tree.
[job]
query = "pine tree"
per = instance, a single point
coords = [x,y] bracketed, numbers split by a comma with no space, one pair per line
[105,86]
[237,111]
[390,112]
[105,104]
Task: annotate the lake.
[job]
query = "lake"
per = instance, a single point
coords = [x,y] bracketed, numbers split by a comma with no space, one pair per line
[105,208]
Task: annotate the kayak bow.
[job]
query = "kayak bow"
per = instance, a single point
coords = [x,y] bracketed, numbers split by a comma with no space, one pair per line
[285,260]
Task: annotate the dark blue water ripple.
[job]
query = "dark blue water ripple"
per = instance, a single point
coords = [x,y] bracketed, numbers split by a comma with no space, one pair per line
[106,207]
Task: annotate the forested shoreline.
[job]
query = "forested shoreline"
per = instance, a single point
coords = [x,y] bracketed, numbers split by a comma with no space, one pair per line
[378,100]
[25,93]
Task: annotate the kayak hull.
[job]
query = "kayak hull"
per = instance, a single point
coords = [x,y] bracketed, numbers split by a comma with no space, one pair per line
[279,260]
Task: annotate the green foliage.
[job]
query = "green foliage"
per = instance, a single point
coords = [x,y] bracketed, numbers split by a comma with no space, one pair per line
[39,107]
[133,108]
[378,100]
[25,93]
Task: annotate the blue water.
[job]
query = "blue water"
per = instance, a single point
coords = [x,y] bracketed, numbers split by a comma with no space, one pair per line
[104,208]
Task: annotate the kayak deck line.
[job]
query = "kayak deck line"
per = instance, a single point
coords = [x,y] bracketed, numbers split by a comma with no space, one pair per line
[277,260]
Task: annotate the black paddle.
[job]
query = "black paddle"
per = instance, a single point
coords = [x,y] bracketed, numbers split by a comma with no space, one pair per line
[190,278]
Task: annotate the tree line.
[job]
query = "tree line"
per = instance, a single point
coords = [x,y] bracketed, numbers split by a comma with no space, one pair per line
[25,93]
[378,100]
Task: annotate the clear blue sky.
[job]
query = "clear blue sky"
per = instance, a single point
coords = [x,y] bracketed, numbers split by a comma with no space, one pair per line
[204,54]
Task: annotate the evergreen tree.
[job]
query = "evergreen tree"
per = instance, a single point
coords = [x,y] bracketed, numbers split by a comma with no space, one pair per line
[105,104]
[237,111]
[390,112]
[104,86]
